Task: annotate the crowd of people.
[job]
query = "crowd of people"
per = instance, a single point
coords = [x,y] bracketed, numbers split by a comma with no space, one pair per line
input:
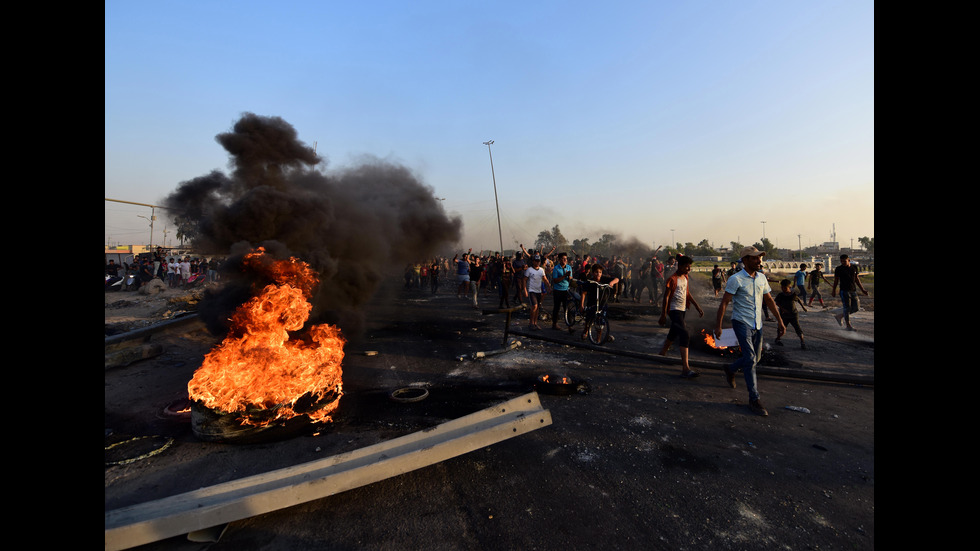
[507,276]
[175,271]
[528,275]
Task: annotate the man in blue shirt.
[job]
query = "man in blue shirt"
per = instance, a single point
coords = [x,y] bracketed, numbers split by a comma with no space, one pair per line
[561,275]
[748,292]
[462,273]
[799,279]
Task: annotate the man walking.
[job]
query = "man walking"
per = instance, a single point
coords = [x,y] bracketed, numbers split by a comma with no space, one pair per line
[748,291]
[462,273]
[847,276]
[799,281]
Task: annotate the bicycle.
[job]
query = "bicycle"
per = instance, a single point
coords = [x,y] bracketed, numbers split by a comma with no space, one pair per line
[598,328]
[572,315]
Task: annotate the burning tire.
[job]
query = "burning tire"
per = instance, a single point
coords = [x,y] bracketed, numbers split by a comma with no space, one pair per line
[218,426]
[561,386]
[599,331]
[265,377]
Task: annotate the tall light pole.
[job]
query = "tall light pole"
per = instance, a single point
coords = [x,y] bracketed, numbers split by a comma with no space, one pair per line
[500,231]
[151,219]
[763,229]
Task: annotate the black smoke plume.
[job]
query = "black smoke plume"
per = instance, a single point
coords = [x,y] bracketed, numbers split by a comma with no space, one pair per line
[353,226]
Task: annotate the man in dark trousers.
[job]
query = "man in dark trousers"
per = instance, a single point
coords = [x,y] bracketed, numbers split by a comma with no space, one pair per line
[850,282]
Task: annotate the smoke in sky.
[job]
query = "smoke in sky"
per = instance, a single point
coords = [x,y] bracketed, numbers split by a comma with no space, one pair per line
[352,226]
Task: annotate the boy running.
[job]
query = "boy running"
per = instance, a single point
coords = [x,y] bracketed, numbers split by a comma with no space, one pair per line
[815,277]
[786,302]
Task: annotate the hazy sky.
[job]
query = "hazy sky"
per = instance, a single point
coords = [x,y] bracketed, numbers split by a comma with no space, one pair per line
[634,118]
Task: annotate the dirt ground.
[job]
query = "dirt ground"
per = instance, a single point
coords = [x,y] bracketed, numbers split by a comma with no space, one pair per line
[645,458]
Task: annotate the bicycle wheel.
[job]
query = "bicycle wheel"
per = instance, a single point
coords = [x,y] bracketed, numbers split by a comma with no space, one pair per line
[599,330]
[571,315]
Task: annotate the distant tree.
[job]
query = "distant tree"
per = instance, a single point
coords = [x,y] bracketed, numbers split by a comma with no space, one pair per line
[550,238]
[605,245]
[736,250]
[187,228]
[736,246]
[582,246]
[768,247]
[704,248]
[868,243]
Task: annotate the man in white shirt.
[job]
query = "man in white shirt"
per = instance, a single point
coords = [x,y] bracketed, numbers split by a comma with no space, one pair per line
[536,280]
[748,290]
[185,271]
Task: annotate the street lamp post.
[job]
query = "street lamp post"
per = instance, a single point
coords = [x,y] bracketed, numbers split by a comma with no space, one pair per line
[500,231]
[151,219]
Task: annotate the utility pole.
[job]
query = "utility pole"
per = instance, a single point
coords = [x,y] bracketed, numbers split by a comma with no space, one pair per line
[500,232]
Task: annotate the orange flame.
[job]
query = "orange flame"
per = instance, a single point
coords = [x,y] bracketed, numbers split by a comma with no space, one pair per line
[709,340]
[258,366]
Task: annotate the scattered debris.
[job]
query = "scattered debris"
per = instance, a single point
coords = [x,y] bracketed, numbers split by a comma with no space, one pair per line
[483,354]
[135,449]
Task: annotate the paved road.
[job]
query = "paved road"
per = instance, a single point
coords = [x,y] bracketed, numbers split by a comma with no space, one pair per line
[646,459]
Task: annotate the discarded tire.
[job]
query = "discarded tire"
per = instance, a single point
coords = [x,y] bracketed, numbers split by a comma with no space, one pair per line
[410,394]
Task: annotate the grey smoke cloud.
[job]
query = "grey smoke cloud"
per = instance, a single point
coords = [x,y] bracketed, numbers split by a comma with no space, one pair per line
[352,226]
